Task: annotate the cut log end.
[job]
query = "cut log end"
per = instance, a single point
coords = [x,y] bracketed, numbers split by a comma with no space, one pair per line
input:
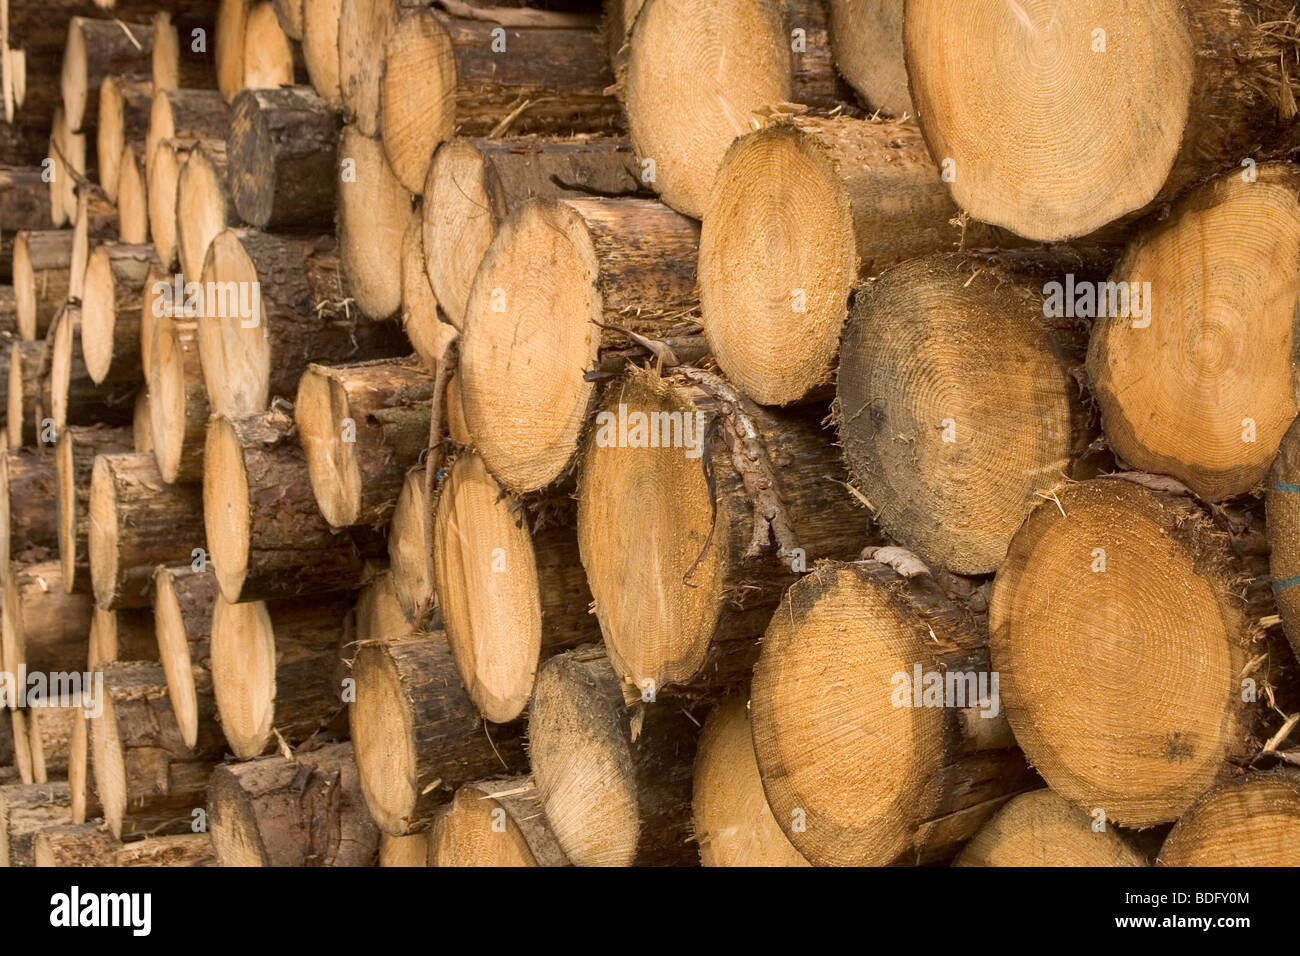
[383,736]
[418,101]
[496,823]
[164,171]
[488,589]
[412,565]
[1043,829]
[526,414]
[98,314]
[236,351]
[630,496]
[109,765]
[1062,93]
[460,216]
[1252,821]
[226,509]
[132,199]
[174,653]
[1110,743]
[268,56]
[200,210]
[243,674]
[102,538]
[322,413]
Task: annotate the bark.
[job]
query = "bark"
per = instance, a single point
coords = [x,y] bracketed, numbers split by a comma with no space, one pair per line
[283,158]
[416,676]
[25,810]
[137,523]
[301,811]
[45,629]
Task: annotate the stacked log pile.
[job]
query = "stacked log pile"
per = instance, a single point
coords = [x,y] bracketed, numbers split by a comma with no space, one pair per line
[655,433]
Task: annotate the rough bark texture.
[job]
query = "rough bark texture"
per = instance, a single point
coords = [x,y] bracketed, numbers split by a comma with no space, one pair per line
[304,811]
[153,523]
[283,158]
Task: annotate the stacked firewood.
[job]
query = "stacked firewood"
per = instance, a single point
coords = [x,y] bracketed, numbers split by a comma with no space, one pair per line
[760,432]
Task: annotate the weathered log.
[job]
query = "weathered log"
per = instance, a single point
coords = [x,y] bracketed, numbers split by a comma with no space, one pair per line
[361,427]
[283,158]
[306,810]
[614,796]
[495,823]
[417,734]
[864,757]
[276,670]
[96,49]
[137,522]
[553,271]
[44,628]
[266,537]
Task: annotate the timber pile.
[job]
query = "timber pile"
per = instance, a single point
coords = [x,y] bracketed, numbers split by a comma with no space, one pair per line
[671,432]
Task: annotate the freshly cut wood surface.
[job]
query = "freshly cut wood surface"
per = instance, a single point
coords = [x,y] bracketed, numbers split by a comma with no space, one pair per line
[1043,829]
[1250,821]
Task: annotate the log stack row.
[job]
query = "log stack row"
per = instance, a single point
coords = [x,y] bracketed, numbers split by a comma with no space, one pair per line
[659,433]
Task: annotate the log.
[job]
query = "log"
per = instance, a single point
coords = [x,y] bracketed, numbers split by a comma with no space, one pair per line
[141,438]
[266,537]
[96,222]
[91,844]
[1074,597]
[649,513]
[164,170]
[147,780]
[495,823]
[67,168]
[374,212]
[801,210]
[446,74]
[156,301]
[290,13]
[301,811]
[553,270]
[379,614]
[28,482]
[320,48]
[283,158]
[49,734]
[74,844]
[74,462]
[408,553]
[1282,503]
[361,427]
[733,823]
[1041,828]
[187,117]
[613,796]
[860,768]
[203,208]
[473,185]
[24,413]
[124,107]
[96,49]
[425,329]
[276,671]
[268,55]
[137,522]
[132,199]
[363,30]
[112,303]
[695,76]
[287,309]
[41,262]
[1222,88]
[45,629]
[125,635]
[25,810]
[67,393]
[510,585]
[1250,821]
[1195,378]
[183,604]
[178,411]
[867,41]
[957,402]
[418,736]
[228,48]
[24,204]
